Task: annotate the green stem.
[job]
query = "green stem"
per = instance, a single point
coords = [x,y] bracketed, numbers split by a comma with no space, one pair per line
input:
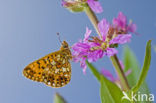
[121,74]
[114,59]
[93,19]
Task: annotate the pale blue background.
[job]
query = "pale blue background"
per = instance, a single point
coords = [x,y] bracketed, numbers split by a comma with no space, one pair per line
[28,31]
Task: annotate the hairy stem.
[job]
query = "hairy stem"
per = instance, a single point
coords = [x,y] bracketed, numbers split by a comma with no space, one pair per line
[114,59]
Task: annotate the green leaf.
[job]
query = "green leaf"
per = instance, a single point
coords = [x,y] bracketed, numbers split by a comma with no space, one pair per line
[108,89]
[94,70]
[59,99]
[131,62]
[145,67]
[110,92]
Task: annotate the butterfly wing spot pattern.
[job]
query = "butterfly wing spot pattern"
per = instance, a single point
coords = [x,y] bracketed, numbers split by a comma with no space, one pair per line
[54,69]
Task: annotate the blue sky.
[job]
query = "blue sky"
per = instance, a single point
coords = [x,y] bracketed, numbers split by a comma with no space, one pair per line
[28,31]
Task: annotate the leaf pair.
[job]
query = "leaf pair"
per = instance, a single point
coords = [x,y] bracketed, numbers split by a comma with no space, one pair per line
[110,92]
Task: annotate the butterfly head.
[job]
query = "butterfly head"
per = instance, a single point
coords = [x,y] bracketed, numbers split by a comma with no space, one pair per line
[66,49]
[64,45]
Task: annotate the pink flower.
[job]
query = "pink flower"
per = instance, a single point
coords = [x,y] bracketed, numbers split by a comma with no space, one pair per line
[95,6]
[104,28]
[121,23]
[93,48]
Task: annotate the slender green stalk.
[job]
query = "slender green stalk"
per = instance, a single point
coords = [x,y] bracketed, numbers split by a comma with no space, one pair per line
[121,74]
[93,19]
[114,59]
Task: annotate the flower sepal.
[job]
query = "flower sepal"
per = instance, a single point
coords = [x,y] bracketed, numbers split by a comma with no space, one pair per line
[75,6]
[113,46]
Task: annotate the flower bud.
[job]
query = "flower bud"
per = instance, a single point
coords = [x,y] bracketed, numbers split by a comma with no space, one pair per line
[75,5]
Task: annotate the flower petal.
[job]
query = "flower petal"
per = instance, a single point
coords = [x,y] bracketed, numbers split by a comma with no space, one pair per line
[91,56]
[131,27]
[95,55]
[120,21]
[121,39]
[88,32]
[122,65]
[78,47]
[128,72]
[107,74]
[103,27]
[111,51]
[95,6]
[100,53]
[83,64]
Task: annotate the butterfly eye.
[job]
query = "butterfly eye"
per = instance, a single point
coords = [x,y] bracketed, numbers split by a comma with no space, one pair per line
[65,46]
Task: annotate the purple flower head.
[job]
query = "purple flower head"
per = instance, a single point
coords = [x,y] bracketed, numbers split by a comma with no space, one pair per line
[121,24]
[120,21]
[109,37]
[92,48]
[95,6]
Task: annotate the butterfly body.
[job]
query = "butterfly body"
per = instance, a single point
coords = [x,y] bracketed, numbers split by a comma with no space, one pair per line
[53,69]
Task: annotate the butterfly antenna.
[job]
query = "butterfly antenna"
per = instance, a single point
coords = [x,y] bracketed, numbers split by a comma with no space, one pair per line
[58,34]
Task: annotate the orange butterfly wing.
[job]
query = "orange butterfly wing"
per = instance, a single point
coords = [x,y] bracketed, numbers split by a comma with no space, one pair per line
[54,69]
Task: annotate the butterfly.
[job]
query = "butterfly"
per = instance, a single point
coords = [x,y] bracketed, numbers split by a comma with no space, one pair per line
[53,69]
